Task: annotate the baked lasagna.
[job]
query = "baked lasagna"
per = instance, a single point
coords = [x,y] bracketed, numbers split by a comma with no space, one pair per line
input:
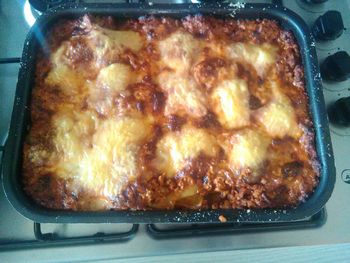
[159,113]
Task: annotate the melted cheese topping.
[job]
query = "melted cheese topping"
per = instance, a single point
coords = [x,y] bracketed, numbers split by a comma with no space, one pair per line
[112,161]
[175,149]
[110,82]
[71,127]
[107,160]
[183,95]
[231,103]
[177,51]
[73,130]
[70,82]
[247,149]
[114,77]
[278,116]
[259,56]
[109,43]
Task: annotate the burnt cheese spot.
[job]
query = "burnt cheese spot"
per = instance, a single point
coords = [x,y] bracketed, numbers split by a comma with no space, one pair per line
[175,122]
[207,71]
[158,101]
[209,121]
[254,103]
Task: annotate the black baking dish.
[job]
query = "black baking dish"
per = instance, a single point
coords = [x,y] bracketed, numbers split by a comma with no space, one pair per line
[12,162]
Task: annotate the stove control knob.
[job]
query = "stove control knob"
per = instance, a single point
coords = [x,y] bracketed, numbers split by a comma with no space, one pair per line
[339,112]
[336,67]
[315,1]
[329,26]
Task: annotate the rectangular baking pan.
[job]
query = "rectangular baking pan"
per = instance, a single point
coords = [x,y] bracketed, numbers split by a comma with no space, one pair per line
[12,161]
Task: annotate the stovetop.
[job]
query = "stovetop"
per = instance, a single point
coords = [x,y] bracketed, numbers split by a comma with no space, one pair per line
[49,241]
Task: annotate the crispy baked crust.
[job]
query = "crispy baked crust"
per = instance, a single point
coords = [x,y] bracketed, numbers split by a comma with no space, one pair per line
[285,177]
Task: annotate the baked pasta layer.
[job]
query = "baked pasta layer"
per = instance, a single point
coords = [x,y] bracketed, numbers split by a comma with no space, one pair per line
[162,113]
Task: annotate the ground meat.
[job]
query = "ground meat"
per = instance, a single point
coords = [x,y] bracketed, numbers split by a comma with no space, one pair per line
[292,169]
